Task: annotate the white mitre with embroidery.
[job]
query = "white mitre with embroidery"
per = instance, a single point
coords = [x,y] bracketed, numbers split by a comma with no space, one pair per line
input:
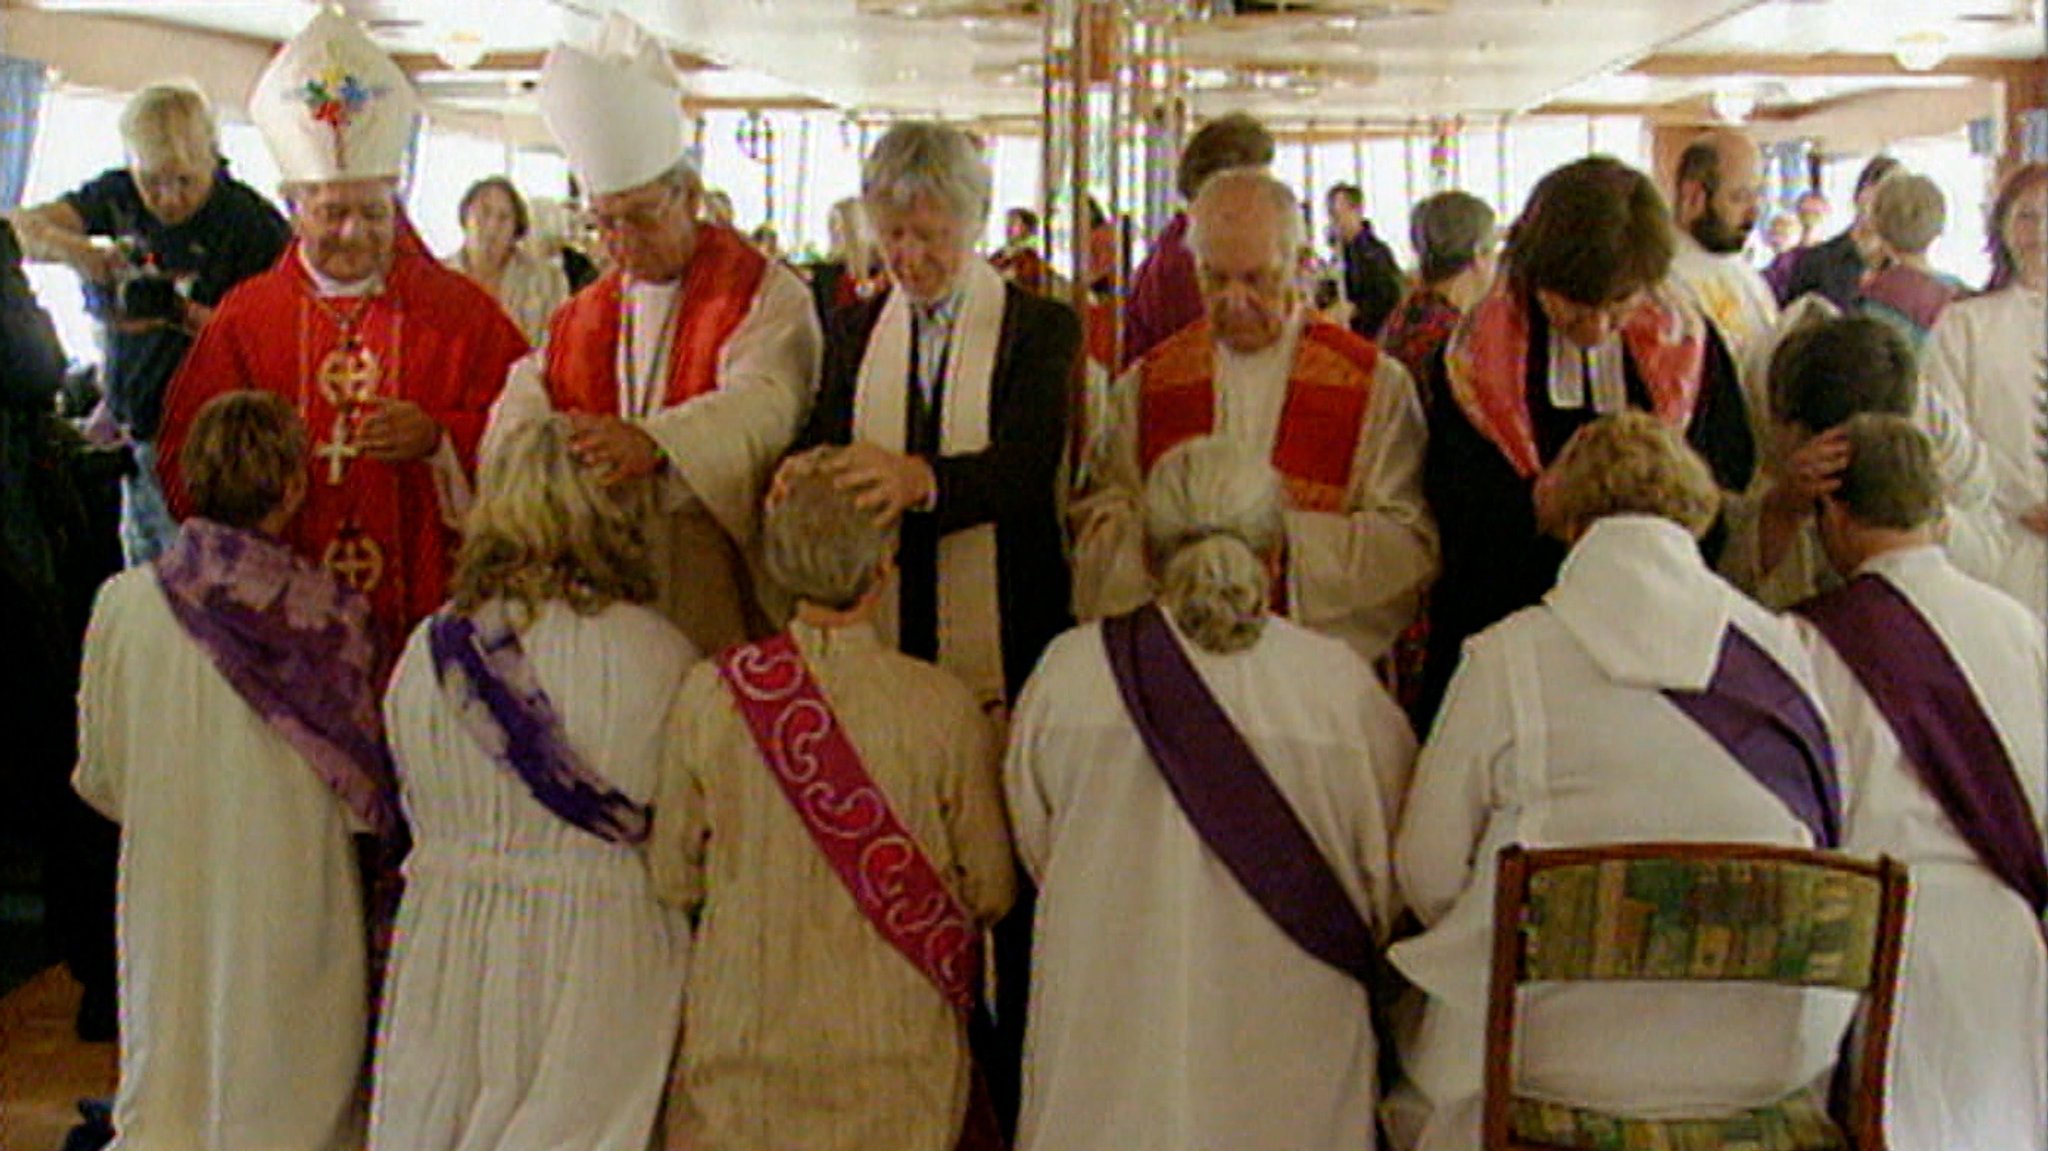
[333,106]
[615,108]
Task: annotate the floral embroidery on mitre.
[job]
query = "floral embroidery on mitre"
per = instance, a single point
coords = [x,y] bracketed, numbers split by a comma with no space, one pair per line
[337,95]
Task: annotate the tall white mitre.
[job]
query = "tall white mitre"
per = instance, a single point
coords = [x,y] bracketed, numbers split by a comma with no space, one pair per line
[615,108]
[333,106]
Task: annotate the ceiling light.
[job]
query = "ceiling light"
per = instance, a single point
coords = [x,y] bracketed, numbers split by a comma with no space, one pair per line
[1733,107]
[1920,51]
[461,48]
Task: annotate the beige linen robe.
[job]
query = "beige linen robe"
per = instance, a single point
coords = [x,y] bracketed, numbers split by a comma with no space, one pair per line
[804,1027]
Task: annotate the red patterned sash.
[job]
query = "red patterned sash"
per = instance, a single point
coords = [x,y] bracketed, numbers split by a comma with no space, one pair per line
[848,817]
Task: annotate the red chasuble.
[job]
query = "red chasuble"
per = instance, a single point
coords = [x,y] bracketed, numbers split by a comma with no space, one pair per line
[1320,420]
[717,294]
[432,337]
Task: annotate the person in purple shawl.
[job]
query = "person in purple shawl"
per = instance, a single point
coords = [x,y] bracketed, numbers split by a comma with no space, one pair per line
[535,985]
[228,722]
[1938,686]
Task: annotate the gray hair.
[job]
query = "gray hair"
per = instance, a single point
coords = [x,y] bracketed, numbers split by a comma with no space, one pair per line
[1219,205]
[1908,212]
[1891,480]
[1450,231]
[926,158]
[1212,521]
[170,123]
[818,543]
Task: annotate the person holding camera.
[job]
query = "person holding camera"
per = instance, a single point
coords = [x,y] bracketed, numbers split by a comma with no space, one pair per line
[158,243]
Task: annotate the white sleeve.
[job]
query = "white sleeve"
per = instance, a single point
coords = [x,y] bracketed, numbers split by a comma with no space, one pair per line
[524,400]
[1106,519]
[1454,792]
[723,444]
[102,718]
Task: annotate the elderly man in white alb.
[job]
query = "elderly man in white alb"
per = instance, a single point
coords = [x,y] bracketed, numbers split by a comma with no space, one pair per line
[1205,795]
[1936,683]
[1643,699]
[692,361]
[1339,421]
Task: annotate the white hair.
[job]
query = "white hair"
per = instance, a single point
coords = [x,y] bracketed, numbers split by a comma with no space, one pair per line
[1205,215]
[925,157]
[1212,521]
[170,123]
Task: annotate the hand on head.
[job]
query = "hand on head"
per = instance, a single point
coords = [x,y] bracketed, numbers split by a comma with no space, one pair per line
[616,450]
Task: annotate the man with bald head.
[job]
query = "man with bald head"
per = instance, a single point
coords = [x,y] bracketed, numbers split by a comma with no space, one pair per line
[1339,421]
[1716,195]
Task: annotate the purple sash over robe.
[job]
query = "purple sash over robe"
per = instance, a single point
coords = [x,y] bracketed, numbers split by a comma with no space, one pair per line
[1236,808]
[296,645]
[484,674]
[1764,720]
[1940,724]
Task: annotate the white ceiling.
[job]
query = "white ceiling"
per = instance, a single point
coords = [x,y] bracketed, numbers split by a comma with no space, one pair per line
[1337,61]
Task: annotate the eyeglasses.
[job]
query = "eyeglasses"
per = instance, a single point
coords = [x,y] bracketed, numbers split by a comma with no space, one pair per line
[641,218]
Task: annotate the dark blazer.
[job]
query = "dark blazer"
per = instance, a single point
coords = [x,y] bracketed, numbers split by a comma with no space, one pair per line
[1013,483]
[1833,268]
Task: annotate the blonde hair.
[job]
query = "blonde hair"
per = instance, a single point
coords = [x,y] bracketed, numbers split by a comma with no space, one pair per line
[170,123]
[1212,522]
[240,456]
[816,542]
[1628,463]
[544,529]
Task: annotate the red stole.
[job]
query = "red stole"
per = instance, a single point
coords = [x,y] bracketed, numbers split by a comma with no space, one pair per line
[1487,362]
[1320,420]
[717,293]
[873,853]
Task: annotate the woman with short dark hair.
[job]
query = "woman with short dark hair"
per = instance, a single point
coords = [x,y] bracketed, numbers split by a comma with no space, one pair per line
[1577,325]
[495,220]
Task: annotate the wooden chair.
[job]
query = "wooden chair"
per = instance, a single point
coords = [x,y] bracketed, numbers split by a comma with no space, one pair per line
[1696,912]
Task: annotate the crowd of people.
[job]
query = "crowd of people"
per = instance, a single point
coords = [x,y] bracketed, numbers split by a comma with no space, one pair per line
[694,707]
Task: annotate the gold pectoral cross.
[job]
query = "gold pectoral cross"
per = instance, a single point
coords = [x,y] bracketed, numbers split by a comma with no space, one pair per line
[338,449]
[356,560]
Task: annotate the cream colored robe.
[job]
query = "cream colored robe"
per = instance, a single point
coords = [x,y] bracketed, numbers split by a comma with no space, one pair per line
[805,1029]
[1358,575]
[1969,1067]
[244,988]
[720,447]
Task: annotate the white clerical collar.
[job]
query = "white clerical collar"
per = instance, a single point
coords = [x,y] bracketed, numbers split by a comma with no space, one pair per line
[1901,561]
[327,286]
[1630,568]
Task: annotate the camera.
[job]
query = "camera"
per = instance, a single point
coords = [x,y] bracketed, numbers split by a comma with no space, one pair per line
[141,289]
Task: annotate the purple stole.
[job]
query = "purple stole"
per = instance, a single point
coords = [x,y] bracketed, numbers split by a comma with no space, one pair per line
[1914,680]
[889,876]
[296,645]
[484,674]
[1763,719]
[1235,807]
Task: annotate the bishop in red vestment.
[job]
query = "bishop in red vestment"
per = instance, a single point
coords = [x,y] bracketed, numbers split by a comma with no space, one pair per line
[391,359]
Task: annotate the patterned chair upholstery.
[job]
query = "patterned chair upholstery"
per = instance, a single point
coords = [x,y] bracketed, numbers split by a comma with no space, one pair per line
[1695,912]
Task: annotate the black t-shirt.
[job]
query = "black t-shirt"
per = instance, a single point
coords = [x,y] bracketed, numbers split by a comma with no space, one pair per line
[233,236]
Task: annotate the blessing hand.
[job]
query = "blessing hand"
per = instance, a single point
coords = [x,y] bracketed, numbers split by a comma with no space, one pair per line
[884,482]
[612,448]
[395,431]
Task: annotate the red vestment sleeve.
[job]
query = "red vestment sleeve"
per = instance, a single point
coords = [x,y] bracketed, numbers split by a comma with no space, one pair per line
[213,365]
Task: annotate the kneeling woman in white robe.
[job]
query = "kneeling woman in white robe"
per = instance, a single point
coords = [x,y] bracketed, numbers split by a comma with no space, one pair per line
[1176,1002]
[1590,719]
[228,722]
[535,985]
